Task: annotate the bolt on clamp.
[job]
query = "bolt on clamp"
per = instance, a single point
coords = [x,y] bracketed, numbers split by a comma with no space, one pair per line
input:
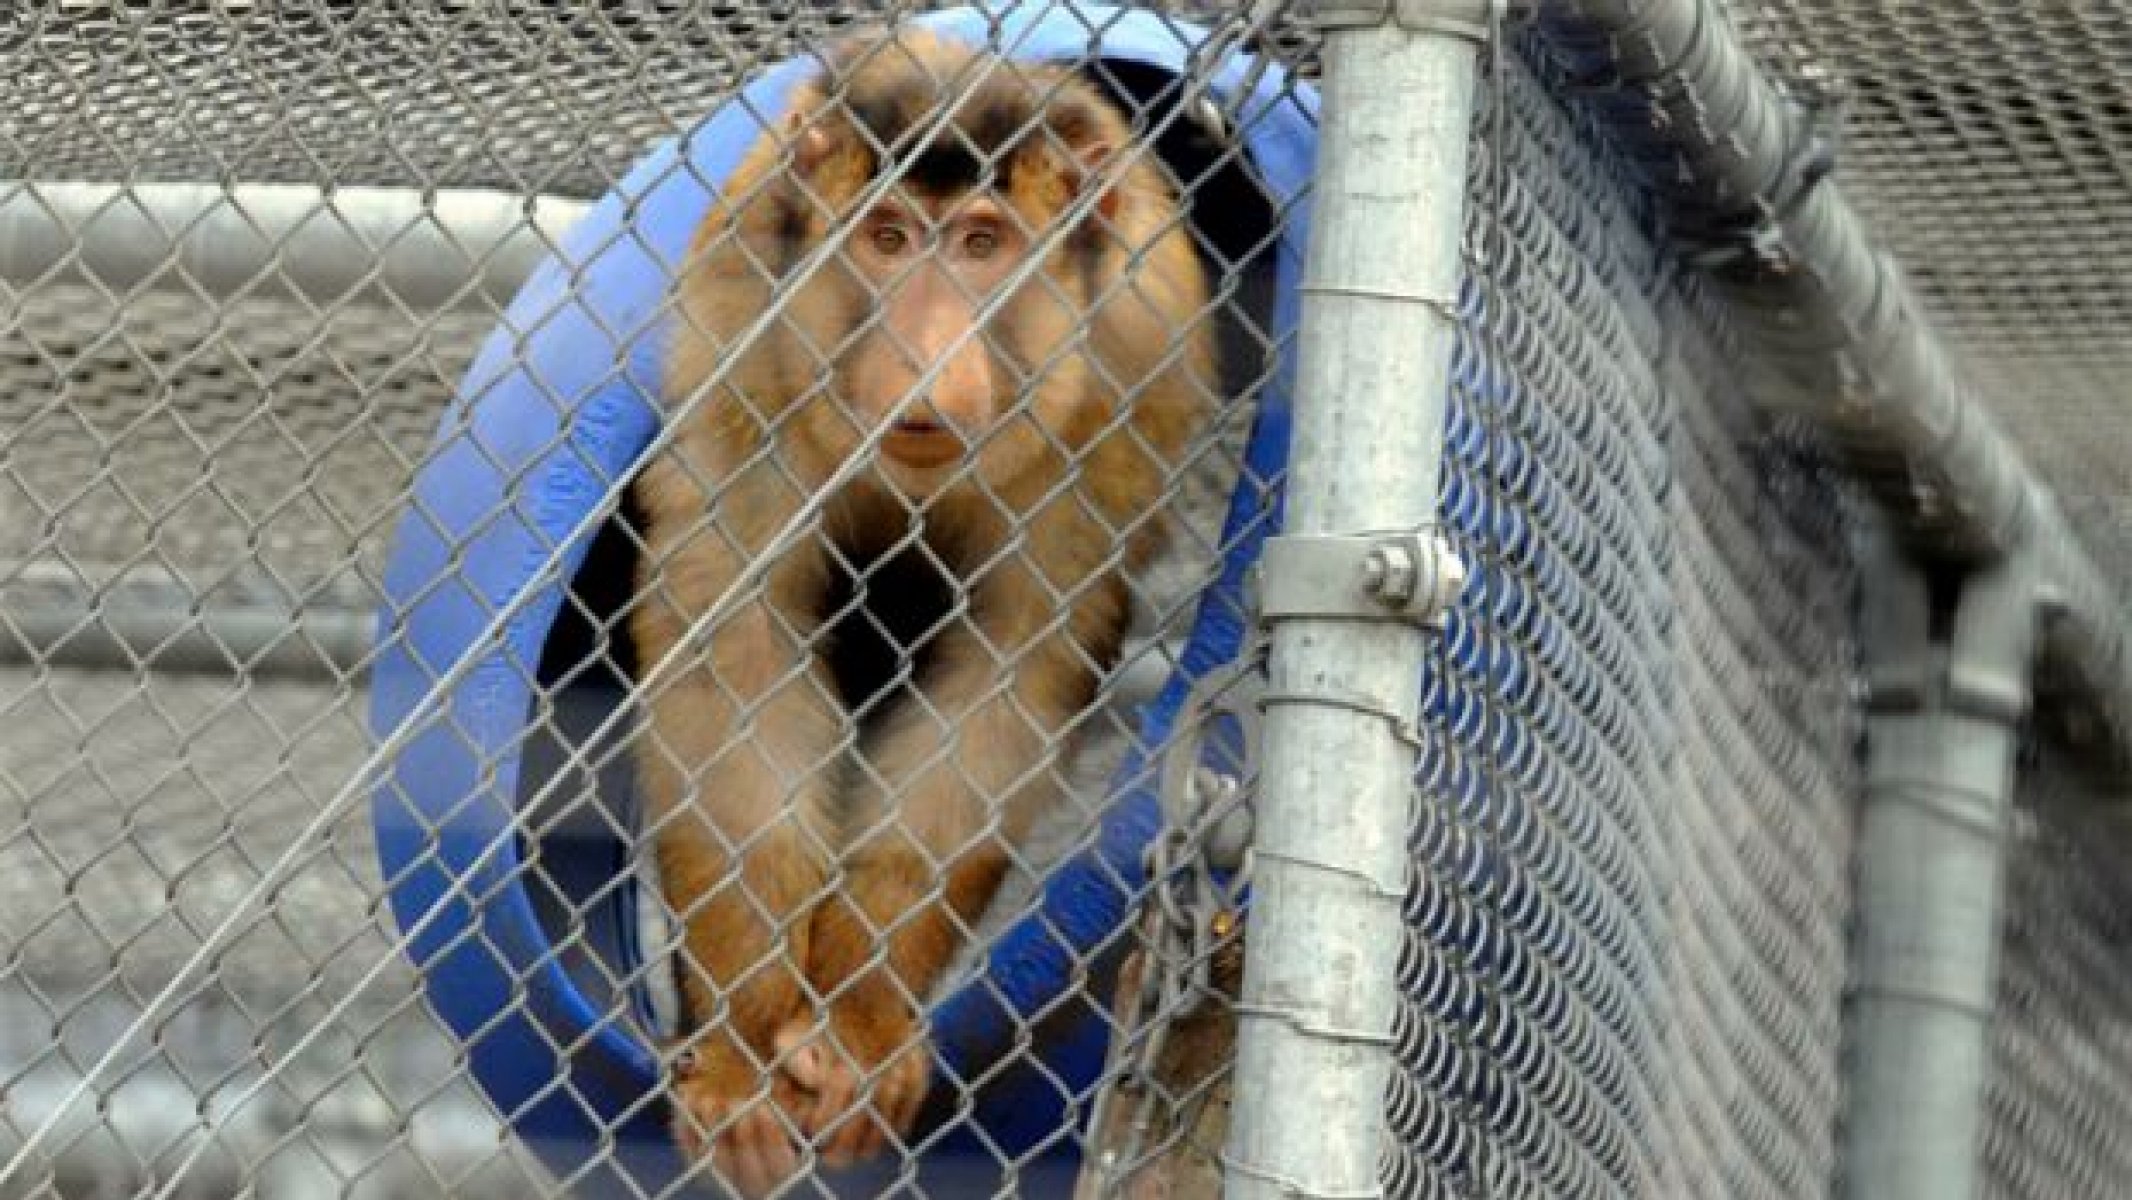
[1411,576]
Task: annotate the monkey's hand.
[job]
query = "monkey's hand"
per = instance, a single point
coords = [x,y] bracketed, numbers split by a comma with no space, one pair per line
[743,1120]
[867,1074]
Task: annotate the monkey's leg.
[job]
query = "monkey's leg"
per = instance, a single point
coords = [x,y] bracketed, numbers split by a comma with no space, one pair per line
[738,769]
[959,773]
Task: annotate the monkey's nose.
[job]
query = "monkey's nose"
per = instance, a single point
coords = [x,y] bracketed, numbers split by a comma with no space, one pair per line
[961,393]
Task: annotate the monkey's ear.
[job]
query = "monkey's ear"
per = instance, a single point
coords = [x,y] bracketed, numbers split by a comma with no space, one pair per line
[1089,144]
[1092,170]
[809,143]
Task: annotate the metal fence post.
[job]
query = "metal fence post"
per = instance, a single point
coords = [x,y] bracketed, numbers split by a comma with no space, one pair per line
[1347,592]
[1941,739]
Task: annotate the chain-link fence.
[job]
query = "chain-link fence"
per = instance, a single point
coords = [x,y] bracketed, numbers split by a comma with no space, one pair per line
[320,312]
[1627,958]
[2058,1090]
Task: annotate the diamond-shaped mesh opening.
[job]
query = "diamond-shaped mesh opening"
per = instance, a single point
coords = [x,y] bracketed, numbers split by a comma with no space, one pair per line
[870,618]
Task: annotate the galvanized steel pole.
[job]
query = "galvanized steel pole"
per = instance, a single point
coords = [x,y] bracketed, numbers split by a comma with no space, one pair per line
[1347,593]
[1941,740]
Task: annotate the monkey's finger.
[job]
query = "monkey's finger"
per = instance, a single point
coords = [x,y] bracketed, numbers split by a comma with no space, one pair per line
[848,1143]
[875,1099]
[699,1123]
[861,1135]
[730,1164]
[797,1103]
[762,1156]
[802,1055]
[780,1158]
[888,1114]
[867,1136]
[837,1148]
[897,1116]
[873,1128]
[748,1175]
[689,1138]
[898,1095]
[836,1116]
[736,1157]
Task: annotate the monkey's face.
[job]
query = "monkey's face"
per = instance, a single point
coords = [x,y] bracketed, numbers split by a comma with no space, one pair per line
[962,346]
[966,222]
[923,369]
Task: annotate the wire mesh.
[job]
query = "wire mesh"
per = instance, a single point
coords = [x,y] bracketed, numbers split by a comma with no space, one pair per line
[1626,951]
[2056,1102]
[1626,946]
[1985,145]
[182,453]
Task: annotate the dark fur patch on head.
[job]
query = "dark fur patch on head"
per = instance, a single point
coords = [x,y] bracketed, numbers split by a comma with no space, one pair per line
[892,94]
[948,168]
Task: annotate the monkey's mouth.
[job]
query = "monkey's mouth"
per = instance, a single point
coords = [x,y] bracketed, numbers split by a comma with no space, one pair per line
[921,442]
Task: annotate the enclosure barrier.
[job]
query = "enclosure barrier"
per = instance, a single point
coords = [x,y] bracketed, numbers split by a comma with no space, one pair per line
[450,248]
[596,333]
[439,249]
[1344,588]
[1621,901]
[1742,172]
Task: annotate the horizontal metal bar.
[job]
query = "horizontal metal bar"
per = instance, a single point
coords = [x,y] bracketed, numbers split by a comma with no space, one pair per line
[423,250]
[320,643]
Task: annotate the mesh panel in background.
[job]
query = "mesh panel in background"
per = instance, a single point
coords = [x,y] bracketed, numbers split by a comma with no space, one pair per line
[1626,953]
[1985,146]
[171,453]
[526,97]
[2057,1102]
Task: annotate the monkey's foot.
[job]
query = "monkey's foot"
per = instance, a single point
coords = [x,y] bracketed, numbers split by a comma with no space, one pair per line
[723,1111]
[867,1078]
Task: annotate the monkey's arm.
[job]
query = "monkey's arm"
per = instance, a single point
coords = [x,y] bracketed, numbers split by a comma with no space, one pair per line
[956,778]
[741,737]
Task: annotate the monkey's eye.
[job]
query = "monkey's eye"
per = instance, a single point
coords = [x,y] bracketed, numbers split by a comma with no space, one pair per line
[889,239]
[980,243]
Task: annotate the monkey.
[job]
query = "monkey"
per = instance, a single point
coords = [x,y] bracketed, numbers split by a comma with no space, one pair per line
[986,349]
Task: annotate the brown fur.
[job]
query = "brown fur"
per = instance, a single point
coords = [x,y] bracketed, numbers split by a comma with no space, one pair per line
[825,870]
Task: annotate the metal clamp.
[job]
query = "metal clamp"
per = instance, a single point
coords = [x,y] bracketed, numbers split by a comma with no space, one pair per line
[1412,576]
[1979,666]
[1473,20]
